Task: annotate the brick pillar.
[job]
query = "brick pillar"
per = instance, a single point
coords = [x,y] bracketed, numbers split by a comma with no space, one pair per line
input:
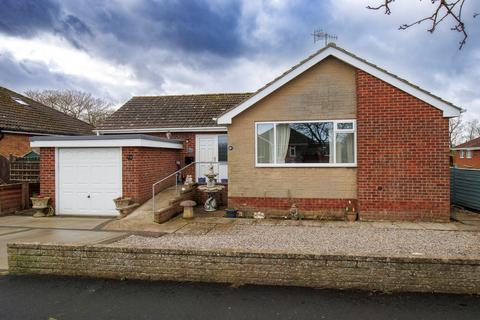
[47,173]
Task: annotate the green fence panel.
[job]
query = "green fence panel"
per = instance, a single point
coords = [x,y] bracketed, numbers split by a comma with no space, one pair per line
[465,187]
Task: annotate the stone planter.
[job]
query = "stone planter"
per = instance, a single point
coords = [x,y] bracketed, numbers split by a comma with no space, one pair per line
[121,203]
[351,216]
[40,204]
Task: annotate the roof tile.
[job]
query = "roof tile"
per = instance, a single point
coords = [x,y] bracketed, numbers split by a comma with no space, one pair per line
[172,111]
[36,117]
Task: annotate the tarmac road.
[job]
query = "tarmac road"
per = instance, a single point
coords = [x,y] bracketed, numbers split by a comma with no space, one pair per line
[77,298]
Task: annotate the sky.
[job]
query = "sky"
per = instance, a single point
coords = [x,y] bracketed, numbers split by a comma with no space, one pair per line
[117,49]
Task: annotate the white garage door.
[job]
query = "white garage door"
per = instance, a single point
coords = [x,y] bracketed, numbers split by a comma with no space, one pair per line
[88,180]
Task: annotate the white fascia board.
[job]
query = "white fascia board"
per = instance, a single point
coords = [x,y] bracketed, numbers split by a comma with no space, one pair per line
[105,143]
[468,148]
[153,130]
[448,110]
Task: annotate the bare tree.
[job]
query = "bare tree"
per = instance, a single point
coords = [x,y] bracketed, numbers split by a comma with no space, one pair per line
[456,131]
[78,104]
[472,130]
[443,9]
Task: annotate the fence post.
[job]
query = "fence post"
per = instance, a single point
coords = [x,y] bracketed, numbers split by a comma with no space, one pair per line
[25,195]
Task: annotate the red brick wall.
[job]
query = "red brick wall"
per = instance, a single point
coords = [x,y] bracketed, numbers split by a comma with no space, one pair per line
[16,144]
[310,207]
[473,163]
[47,173]
[189,143]
[403,155]
[147,166]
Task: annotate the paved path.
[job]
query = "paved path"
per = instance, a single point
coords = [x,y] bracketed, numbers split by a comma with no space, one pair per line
[51,230]
[73,298]
[141,220]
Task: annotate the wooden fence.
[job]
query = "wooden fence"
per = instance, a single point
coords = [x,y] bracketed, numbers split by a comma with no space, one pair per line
[13,197]
[465,187]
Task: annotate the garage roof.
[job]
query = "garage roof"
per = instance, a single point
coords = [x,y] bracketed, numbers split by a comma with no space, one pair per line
[119,140]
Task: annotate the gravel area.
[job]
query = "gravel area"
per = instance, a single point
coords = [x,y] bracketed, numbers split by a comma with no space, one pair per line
[318,240]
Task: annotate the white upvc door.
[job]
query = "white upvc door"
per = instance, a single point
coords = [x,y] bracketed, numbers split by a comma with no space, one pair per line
[207,151]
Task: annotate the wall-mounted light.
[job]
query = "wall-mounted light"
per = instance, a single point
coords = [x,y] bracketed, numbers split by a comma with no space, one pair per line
[230,148]
[130,157]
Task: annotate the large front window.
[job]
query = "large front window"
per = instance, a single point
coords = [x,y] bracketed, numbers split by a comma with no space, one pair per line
[316,143]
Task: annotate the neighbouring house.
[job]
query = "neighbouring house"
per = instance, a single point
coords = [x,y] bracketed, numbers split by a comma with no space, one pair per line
[333,130]
[22,118]
[467,155]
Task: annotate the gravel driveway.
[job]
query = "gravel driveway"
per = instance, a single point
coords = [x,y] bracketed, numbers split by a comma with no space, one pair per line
[323,240]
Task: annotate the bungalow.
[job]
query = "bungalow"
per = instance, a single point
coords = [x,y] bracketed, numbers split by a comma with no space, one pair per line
[467,155]
[333,130]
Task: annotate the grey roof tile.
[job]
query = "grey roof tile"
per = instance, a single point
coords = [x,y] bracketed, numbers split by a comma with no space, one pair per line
[172,111]
[36,117]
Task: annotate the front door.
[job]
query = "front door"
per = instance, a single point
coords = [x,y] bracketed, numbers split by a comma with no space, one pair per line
[211,148]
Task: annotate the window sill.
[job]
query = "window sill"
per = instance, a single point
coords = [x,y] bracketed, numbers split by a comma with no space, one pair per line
[307,165]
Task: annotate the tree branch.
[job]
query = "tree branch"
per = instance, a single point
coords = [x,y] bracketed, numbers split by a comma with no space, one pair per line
[444,9]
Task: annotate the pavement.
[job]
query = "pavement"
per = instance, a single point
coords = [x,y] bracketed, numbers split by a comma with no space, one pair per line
[80,298]
[56,230]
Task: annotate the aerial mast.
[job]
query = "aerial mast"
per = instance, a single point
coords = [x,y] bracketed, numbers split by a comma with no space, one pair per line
[319,34]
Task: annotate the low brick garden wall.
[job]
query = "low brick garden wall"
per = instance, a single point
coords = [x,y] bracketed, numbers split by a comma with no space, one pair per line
[320,271]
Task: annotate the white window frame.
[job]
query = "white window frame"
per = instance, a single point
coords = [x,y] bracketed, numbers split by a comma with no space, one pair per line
[462,155]
[469,154]
[294,153]
[309,165]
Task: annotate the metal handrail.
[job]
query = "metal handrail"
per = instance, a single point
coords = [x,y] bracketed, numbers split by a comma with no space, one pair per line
[176,180]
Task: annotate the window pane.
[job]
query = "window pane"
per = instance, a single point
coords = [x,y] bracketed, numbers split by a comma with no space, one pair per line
[345,148]
[345,125]
[222,147]
[265,143]
[310,141]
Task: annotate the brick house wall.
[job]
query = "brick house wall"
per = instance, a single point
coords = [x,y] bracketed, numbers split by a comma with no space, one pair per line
[403,155]
[472,163]
[316,208]
[47,174]
[327,91]
[16,144]
[147,166]
[402,159]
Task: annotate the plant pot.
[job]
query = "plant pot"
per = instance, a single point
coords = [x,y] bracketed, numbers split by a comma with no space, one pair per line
[351,216]
[40,204]
[230,213]
[121,202]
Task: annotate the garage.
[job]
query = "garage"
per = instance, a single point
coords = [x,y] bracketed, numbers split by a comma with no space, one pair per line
[82,175]
[88,180]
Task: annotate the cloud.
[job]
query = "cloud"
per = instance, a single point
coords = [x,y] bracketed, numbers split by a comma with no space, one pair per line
[120,48]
